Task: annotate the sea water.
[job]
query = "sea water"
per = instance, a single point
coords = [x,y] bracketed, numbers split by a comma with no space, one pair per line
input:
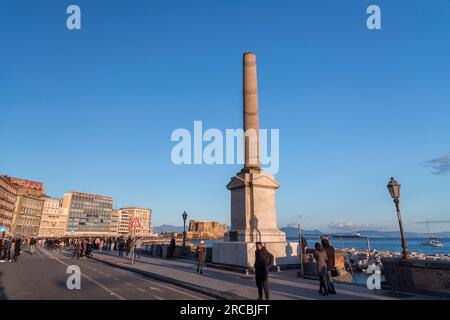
[376,243]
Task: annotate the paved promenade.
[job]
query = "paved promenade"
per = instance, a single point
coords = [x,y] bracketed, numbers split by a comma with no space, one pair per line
[229,285]
[42,276]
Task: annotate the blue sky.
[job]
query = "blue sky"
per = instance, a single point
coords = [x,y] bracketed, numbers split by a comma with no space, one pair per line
[93,110]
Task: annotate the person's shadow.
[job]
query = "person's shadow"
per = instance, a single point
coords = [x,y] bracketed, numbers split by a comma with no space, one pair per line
[289,250]
[254,224]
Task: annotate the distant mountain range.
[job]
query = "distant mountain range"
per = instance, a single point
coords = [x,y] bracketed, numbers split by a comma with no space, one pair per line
[293,233]
[167,228]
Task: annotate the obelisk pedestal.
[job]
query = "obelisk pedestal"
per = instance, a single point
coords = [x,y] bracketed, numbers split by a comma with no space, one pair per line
[253,205]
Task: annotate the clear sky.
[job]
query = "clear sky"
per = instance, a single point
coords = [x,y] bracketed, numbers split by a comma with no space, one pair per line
[93,110]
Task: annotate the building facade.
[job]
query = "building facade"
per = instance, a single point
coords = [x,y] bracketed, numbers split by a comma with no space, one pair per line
[123,227]
[27,215]
[8,197]
[54,219]
[128,215]
[114,225]
[205,230]
[88,214]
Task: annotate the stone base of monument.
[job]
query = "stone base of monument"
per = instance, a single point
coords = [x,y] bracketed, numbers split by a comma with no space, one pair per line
[242,254]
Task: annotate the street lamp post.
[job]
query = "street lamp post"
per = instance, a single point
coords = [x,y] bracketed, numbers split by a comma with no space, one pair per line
[184,227]
[394,190]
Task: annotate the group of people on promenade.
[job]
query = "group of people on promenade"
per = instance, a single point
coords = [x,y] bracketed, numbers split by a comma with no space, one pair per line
[10,248]
[84,247]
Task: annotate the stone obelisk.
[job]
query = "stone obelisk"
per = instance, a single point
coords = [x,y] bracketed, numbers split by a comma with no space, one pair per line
[253,207]
[251,118]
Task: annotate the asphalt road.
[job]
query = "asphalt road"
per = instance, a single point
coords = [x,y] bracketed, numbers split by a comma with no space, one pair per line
[42,276]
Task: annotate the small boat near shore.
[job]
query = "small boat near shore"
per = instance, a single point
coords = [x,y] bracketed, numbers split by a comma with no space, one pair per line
[432,243]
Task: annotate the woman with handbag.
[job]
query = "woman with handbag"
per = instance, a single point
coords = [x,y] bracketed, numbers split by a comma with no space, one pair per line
[320,256]
[331,264]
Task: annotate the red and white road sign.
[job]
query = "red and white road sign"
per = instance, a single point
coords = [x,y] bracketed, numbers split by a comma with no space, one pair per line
[136,223]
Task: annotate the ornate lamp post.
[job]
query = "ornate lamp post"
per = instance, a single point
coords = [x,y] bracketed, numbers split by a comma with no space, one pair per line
[394,190]
[184,227]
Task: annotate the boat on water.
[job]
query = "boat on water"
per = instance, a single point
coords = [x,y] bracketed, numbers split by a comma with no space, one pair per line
[355,235]
[432,242]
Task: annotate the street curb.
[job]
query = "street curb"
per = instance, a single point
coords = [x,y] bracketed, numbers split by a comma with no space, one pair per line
[186,285]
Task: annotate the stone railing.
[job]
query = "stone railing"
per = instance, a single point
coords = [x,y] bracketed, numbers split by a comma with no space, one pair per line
[420,276]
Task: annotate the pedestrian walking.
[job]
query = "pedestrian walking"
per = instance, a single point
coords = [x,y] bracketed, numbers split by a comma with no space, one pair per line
[201,256]
[121,246]
[2,250]
[100,245]
[8,243]
[12,251]
[263,261]
[137,248]
[128,246]
[77,250]
[88,249]
[17,248]
[82,248]
[331,263]
[32,245]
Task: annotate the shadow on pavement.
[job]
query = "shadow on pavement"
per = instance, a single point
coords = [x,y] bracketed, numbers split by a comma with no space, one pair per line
[2,291]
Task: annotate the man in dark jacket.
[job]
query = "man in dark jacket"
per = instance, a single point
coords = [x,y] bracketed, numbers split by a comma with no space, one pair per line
[263,260]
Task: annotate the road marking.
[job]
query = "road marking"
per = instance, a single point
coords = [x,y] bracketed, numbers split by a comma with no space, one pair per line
[129,273]
[128,284]
[142,290]
[157,297]
[160,284]
[87,277]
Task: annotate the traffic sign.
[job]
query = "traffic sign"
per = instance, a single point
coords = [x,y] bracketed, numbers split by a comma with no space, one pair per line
[136,223]
[2,229]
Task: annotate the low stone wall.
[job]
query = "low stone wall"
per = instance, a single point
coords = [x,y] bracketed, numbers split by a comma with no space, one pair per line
[420,276]
[162,250]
